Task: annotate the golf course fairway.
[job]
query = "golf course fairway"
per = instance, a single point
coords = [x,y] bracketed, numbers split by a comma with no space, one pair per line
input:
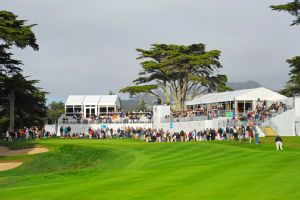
[129,169]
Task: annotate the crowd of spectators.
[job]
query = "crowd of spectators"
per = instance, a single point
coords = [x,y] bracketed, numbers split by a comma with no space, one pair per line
[190,113]
[102,133]
[128,117]
[261,111]
[27,133]
[242,133]
[239,133]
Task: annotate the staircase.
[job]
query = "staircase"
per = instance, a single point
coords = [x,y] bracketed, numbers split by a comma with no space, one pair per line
[268,131]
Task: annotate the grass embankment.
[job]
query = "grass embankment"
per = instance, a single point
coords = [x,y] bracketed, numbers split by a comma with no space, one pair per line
[126,169]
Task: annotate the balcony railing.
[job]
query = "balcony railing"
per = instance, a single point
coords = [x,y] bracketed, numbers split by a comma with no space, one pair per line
[70,120]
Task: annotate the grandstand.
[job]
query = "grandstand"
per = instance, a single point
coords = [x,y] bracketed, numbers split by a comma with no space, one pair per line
[261,107]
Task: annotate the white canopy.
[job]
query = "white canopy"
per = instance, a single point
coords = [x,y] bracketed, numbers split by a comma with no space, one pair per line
[98,100]
[75,100]
[109,100]
[238,95]
[91,100]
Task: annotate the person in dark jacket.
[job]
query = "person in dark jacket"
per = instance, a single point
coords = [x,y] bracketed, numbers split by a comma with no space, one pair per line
[278,142]
[61,130]
[182,136]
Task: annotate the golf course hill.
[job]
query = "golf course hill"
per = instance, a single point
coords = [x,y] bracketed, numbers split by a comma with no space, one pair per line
[132,169]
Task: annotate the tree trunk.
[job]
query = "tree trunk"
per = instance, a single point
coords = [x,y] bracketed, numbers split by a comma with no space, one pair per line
[11,110]
[166,93]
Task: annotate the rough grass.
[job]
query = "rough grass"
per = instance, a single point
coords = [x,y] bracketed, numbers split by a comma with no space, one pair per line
[126,169]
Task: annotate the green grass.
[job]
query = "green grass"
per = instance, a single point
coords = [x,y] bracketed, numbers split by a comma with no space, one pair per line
[127,169]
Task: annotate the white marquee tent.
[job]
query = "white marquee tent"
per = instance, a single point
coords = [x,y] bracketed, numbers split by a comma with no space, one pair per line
[238,95]
[88,105]
[240,98]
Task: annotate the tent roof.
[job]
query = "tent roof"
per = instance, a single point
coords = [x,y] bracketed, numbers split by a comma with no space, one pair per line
[247,94]
[91,100]
[108,100]
[101,100]
[75,100]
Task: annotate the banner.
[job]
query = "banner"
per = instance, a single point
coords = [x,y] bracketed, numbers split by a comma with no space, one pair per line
[229,114]
[171,122]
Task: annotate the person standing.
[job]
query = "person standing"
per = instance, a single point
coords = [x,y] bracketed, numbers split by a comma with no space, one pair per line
[240,134]
[207,134]
[177,137]
[243,133]
[61,130]
[168,136]
[202,135]
[198,138]
[194,135]
[278,142]
[69,131]
[7,136]
[65,132]
[250,134]
[158,135]
[256,135]
[227,131]
[181,136]
[247,130]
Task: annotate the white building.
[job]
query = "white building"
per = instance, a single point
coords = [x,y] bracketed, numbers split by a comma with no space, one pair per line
[91,105]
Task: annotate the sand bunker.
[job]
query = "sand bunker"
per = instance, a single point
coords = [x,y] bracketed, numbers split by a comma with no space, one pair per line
[4,151]
[7,166]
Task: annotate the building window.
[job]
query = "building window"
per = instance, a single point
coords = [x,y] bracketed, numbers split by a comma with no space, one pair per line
[111,109]
[102,110]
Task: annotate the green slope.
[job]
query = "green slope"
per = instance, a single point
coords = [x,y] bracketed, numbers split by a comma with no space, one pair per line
[125,169]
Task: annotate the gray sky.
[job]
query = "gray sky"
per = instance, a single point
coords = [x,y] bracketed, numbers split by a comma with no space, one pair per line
[88,47]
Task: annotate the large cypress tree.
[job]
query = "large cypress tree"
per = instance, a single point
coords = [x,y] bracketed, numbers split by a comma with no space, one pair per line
[180,71]
[20,99]
[293,85]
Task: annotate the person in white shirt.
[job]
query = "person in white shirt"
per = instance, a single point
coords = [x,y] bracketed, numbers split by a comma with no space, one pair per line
[7,135]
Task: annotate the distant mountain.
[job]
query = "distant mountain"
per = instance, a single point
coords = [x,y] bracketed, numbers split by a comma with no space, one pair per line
[244,85]
[131,104]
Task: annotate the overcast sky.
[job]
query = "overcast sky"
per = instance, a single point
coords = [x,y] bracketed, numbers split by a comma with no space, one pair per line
[88,46]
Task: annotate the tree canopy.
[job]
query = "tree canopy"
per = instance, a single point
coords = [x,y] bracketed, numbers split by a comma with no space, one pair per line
[14,31]
[30,102]
[180,71]
[292,8]
[293,85]
[23,102]
[55,110]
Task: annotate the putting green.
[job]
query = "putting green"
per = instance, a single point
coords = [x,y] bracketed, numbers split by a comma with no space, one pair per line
[127,169]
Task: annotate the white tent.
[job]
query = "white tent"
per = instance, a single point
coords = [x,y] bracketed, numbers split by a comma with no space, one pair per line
[238,95]
[109,100]
[75,100]
[101,100]
[91,100]
[91,104]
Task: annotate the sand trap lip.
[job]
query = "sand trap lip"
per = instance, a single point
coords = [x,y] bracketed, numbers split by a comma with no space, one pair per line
[9,165]
[4,151]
